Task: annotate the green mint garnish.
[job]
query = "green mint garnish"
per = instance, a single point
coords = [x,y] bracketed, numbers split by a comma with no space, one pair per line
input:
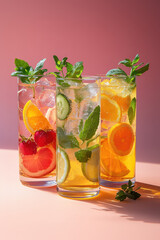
[91,140]
[67,70]
[127,192]
[132,110]
[30,75]
[130,78]
[66,141]
[83,155]
[91,125]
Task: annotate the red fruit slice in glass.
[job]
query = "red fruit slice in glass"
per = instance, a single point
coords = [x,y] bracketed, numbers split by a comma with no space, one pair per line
[39,164]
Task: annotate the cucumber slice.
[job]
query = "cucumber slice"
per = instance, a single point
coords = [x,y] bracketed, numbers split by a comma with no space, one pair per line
[90,168]
[63,106]
[63,165]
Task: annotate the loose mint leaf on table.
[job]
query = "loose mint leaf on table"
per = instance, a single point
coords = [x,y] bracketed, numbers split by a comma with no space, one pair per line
[66,141]
[132,110]
[127,192]
[83,155]
[90,125]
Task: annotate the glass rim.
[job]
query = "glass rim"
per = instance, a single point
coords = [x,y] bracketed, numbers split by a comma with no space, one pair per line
[84,77]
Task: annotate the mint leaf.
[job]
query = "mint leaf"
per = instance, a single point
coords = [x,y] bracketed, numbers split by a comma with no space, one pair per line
[127,62]
[132,110]
[139,71]
[91,125]
[69,67]
[116,71]
[39,65]
[57,62]
[135,60]
[76,70]
[80,127]
[66,141]
[83,155]
[21,63]
[127,191]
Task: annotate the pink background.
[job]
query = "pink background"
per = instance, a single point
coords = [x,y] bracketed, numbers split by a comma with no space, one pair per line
[97,32]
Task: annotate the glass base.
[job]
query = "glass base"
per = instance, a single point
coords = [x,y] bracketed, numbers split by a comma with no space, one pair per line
[78,194]
[114,184]
[38,182]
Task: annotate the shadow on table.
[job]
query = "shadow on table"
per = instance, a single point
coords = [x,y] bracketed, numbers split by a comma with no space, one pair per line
[146,208]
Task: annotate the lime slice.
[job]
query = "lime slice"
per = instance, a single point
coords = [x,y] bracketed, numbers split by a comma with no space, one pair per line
[90,169]
[63,165]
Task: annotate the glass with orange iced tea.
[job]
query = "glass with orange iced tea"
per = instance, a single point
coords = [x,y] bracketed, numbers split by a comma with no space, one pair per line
[118,131]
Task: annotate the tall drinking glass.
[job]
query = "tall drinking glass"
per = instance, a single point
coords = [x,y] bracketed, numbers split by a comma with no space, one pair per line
[78,136]
[37,132]
[118,132]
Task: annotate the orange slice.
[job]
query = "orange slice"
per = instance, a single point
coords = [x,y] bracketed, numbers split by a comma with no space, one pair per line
[121,138]
[118,90]
[123,102]
[110,110]
[34,119]
[111,165]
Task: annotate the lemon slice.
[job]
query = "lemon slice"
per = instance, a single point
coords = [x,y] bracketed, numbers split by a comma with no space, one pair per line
[110,110]
[90,169]
[34,119]
[63,166]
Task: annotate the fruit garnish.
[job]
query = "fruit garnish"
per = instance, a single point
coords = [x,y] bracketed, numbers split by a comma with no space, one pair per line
[110,110]
[51,117]
[28,147]
[121,138]
[63,106]
[39,164]
[43,138]
[90,167]
[127,191]
[111,165]
[129,78]
[34,119]
[117,90]
[63,165]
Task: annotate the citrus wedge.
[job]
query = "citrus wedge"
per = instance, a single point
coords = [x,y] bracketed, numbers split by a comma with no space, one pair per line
[39,164]
[63,166]
[110,110]
[111,165]
[121,138]
[34,119]
[90,169]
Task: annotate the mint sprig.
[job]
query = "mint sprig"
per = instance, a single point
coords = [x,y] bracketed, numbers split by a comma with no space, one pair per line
[135,70]
[131,77]
[127,192]
[26,73]
[67,70]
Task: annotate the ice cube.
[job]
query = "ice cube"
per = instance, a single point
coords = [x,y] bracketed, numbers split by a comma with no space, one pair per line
[88,91]
[46,98]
